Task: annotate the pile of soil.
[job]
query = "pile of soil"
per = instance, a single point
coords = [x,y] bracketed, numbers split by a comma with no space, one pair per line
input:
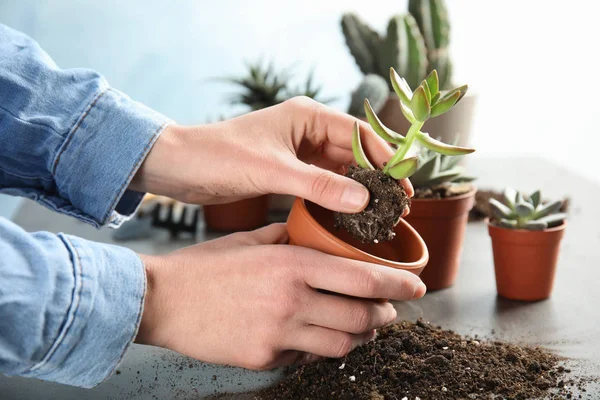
[419,361]
[376,222]
[443,191]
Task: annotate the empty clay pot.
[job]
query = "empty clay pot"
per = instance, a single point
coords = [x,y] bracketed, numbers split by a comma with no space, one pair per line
[310,225]
[243,215]
[442,224]
[525,261]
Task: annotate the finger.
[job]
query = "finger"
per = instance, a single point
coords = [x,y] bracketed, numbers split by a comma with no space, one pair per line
[359,279]
[326,342]
[348,314]
[326,188]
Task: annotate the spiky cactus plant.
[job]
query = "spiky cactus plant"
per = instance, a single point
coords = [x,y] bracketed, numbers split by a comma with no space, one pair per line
[414,43]
[372,87]
[520,212]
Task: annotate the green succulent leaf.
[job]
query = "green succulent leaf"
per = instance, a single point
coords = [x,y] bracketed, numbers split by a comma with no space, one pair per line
[401,87]
[419,104]
[536,198]
[548,209]
[436,98]
[464,179]
[508,223]
[510,196]
[444,105]
[446,176]
[553,220]
[428,168]
[441,147]
[463,90]
[408,114]
[404,168]
[518,198]
[433,82]
[357,149]
[427,90]
[500,211]
[386,133]
[450,161]
[535,225]
[524,209]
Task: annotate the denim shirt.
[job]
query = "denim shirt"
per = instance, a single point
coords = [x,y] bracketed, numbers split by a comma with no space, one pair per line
[69,308]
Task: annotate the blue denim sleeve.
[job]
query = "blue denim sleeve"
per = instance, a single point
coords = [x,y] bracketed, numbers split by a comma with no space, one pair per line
[68,140]
[69,308]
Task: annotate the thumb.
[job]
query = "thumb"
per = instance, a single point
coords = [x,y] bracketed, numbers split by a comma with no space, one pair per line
[327,189]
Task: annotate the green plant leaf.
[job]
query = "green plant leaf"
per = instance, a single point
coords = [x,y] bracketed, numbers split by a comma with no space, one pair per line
[508,223]
[536,198]
[404,168]
[548,209]
[510,196]
[524,209]
[535,225]
[427,91]
[408,114]
[428,167]
[357,149]
[446,176]
[441,147]
[435,98]
[553,220]
[445,104]
[386,133]
[401,87]
[464,179]
[500,211]
[463,90]
[434,84]
[419,104]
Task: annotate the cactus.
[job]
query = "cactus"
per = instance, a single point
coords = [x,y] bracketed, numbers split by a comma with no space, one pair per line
[434,25]
[415,43]
[436,169]
[519,212]
[372,87]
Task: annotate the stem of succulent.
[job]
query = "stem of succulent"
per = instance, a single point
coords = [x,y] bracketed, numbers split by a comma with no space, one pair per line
[403,149]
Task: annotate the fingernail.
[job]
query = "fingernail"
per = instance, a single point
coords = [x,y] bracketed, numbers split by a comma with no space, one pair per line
[355,197]
[420,291]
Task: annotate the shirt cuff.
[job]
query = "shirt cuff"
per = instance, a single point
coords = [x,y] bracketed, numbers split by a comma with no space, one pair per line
[101,155]
[104,317]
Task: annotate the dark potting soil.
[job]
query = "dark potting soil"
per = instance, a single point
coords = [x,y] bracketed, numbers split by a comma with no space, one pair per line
[387,202]
[443,191]
[420,361]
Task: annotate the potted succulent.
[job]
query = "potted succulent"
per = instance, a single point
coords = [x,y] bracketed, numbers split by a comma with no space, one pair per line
[378,234]
[263,87]
[526,235]
[414,44]
[439,212]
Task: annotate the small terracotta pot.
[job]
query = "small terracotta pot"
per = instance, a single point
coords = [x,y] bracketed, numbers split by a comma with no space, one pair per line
[310,225]
[525,261]
[243,215]
[442,224]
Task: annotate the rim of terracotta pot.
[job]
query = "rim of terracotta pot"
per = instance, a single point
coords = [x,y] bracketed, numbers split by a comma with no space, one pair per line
[443,206]
[525,236]
[413,265]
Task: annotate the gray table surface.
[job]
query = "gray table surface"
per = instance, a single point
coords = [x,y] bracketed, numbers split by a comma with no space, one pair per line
[567,323]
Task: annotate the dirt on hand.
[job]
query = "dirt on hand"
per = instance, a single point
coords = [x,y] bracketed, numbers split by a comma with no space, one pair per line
[411,361]
[376,222]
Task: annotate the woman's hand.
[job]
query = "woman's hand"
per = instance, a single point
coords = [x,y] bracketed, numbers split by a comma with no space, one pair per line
[298,147]
[248,301]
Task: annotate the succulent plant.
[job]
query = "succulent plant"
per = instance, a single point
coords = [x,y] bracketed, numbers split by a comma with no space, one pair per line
[264,87]
[437,169]
[372,87]
[415,43]
[520,212]
[426,102]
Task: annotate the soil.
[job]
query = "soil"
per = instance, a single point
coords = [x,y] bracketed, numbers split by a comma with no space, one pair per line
[376,222]
[482,210]
[443,191]
[420,361]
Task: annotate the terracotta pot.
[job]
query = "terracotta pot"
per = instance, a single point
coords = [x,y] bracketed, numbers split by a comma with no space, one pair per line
[243,215]
[457,121]
[310,225]
[525,261]
[442,224]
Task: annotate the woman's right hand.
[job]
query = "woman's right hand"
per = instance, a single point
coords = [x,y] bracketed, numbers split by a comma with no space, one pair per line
[249,300]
